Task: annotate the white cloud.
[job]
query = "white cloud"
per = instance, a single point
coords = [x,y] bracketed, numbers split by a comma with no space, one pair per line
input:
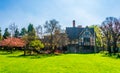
[85,12]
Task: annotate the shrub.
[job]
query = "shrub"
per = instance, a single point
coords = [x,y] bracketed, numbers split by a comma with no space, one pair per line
[37,44]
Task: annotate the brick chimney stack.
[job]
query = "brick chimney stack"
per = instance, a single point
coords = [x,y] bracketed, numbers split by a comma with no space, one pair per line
[73,23]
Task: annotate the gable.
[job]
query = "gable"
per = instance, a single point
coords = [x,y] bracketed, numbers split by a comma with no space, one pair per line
[87,32]
[73,32]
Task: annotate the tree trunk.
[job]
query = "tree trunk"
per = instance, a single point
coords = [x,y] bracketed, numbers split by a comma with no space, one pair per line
[24,51]
[30,51]
[51,41]
[115,50]
[109,47]
[11,50]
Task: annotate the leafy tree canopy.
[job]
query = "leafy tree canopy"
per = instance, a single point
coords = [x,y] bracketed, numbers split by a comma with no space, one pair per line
[37,44]
[99,35]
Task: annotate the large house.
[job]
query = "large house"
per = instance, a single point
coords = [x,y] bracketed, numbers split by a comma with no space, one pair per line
[81,40]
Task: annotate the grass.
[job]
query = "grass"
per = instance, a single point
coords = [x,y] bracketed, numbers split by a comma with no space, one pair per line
[64,63]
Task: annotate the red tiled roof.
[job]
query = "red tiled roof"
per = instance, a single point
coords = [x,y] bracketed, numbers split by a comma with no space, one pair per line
[13,42]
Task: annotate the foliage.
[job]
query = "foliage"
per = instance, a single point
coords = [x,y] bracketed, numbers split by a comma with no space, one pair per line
[0,34]
[99,35]
[50,27]
[6,33]
[28,36]
[17,34]
[30,28]
[23,32]
[31,32]
[60,38]
[39,30]
[111,30]
[66,63]
[12,42]
[13,27]
[36,44]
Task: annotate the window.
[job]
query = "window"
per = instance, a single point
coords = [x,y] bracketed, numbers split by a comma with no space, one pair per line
[86,39]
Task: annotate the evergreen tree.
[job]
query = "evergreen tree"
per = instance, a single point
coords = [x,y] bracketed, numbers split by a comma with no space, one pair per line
[23,32]
[30,28]
[16,33]
[0,34]
[6,33]
[31,32]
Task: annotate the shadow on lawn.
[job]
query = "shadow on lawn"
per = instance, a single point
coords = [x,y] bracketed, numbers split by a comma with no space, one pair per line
[81,53]
[34,56]
[19,54]
[5,53]
[114,56]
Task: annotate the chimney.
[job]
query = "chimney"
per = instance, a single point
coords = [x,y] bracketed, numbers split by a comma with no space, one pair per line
[73,23]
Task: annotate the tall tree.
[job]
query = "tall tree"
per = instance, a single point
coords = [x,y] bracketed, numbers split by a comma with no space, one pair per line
[111,30]
[23,32]
[0,34]
[29,37]
[30,28]
[13,28]
[31,31]
[6,33]
[16,33]
[60,38]
[50,27]
[114,26]
[99,35]
[39,31]
[107,34]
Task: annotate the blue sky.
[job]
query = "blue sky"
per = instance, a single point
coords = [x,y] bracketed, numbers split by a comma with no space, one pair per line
[85,12]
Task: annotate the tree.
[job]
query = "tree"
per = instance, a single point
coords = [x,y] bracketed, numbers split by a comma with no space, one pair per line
[30,28]
[60,38]
[37,44]
[50,27]
[23,32]
[31,32]
[0,34]
[16,33]
[114,27]
[29,37]
[6,33]
[99,35]
[25,38]
[39,30]
[13,28]
[12,42]
[111,30]
[107,34]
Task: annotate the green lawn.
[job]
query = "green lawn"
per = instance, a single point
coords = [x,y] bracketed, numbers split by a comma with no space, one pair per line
[65,63]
